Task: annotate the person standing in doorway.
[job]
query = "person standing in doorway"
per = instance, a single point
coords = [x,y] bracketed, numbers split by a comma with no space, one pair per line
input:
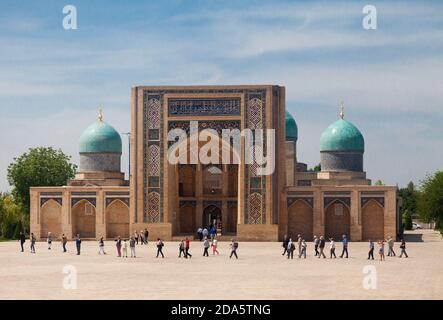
[321,246]
[160,246]
[371,250]
[200,234]
[64,242]
[234,247]
[206,246]
[132,246]
[316,241]
[332,248]
[345,246]
[101,246]
[118,245]
[214,246]
[285,244]
[49,240]
[403,249]
[22,240]
[187,246]
[33,239]
[78,243]
[205,233]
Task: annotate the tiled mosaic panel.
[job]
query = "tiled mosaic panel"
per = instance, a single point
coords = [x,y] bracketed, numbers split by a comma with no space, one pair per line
[153,207]
[255,208]
[204,107]
[153,113]
[154,160]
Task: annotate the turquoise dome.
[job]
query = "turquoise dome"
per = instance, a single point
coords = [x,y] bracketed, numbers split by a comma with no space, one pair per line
[291,127]
[342,136]
[100,137]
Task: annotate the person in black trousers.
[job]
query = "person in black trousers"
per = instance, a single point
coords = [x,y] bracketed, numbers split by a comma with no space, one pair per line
[234,247]
[285,244]
[345,246]
[64,241]
[206,246]
[403,248]
[22,239]
[78,243]
[160,245]
[371,250]
[146,236]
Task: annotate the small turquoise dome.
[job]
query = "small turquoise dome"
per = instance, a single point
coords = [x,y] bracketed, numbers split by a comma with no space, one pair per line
[291,127]
[342,136]
[100,137]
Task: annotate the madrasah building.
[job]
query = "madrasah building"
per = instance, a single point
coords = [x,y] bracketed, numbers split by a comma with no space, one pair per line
[173,200]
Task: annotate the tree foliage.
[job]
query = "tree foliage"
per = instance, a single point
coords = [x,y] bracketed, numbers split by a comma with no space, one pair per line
[407,220]
[430,200]
[317,168]
[39,167]
[409,196]
[12,219]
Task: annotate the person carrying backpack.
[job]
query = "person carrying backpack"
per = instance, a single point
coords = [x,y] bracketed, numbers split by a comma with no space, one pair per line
[234,247]
[160,246]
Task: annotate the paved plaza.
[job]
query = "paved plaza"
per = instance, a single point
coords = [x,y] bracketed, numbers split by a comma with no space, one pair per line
[260,273]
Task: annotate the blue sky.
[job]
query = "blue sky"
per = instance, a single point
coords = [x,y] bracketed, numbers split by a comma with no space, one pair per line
[52,80]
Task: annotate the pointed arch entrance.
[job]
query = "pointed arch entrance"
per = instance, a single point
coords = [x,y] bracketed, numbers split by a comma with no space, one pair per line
[337,220]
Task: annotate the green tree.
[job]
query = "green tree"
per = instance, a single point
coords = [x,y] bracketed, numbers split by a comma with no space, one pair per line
[407,220]
[317,168]
[430,200]
[39,167]
[379,183]
[12,219]
[409,196]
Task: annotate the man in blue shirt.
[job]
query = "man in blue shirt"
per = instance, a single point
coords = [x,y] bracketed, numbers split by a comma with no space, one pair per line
[78,243]
[345,246]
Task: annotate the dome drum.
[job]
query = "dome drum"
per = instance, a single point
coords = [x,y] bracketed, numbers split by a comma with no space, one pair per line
[342,161]
[100,162]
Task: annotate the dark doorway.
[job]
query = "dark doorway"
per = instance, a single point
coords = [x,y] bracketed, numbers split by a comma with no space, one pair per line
[212,217]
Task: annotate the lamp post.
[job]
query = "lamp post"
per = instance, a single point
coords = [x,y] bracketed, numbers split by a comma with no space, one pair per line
[128,134]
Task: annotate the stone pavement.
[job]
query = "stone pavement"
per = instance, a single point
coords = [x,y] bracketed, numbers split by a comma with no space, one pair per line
[260,273]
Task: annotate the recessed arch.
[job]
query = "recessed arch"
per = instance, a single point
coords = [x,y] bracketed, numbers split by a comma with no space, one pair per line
[51,219]
[372,218]
[117,219]
[337,220]
[83,215]
[300,219]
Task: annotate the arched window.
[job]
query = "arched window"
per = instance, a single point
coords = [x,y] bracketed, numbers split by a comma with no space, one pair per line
[212,180]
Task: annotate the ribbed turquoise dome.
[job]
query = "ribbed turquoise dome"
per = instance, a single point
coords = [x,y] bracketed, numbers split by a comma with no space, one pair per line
[100,137]
[291,127]
[342,136]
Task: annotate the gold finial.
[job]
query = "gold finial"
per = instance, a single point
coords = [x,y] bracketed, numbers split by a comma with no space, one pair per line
[342,110]
[100,114]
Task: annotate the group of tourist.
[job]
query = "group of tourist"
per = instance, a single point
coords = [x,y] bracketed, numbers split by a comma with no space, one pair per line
[142,237]
[204,233]
[289,246]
